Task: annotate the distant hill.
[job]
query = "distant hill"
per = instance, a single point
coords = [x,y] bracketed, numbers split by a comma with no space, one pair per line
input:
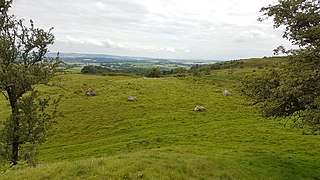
[80,57]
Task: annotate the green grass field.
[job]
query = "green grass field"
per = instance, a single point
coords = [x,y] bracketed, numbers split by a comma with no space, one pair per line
[161,137]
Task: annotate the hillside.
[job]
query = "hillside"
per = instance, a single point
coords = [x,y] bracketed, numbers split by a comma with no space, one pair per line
[161,137]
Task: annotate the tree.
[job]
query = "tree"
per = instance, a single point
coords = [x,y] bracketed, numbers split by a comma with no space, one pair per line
[301,19]
[294,89]
[22,65]
[154,72]
[95,70]
[179,70]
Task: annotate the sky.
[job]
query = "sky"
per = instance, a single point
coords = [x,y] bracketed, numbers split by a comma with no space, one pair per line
[180,29]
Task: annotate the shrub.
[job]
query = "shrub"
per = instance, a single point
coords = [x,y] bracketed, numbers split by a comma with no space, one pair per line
[154,72]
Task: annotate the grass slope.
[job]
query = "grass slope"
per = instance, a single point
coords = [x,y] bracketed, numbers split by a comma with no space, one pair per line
[161,137]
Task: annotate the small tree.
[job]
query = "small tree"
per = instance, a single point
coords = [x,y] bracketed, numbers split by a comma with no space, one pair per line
[179,70]
[294,90]
[154,72]
[22,65]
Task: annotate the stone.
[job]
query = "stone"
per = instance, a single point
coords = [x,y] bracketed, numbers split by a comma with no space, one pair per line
[90,92]
[199,108]
[227,93]
[132,99]
[140,175]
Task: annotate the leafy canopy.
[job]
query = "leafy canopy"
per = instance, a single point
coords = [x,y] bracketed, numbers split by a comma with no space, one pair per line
[22,65]
[293,90]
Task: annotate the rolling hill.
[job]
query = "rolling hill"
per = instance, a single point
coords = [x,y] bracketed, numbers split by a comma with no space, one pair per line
[160,136]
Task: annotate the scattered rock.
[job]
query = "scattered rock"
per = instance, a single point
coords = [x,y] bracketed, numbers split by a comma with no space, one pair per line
[140,175]
[199,108]
[90,92]
[132,99]
[227,93]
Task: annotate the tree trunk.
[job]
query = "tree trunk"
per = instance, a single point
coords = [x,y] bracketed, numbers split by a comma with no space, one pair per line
[13,98]
[15,153]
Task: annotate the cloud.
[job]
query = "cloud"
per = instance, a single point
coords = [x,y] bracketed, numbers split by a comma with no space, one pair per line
[205,28]
[253,35]
[89,42]
[109,44]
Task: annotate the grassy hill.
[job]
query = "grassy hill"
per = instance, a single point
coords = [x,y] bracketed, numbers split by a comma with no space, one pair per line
[161,137]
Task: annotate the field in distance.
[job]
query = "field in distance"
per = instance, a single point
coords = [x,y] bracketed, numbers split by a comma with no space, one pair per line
[74,62]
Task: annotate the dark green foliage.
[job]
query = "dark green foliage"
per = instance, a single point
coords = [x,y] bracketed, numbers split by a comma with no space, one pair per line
[179,70]
[154,72]
[260,87]
[129,70]
[291,90]
[294,89]
[226,65]
[34,121]
[113,72]
[95,70]
[22,65]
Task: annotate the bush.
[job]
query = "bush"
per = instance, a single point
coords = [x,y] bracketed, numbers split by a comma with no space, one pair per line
[154,72]
[179,70]
[95,70]
[291,91]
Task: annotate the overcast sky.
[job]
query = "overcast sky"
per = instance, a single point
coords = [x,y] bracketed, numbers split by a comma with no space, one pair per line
[193,29]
